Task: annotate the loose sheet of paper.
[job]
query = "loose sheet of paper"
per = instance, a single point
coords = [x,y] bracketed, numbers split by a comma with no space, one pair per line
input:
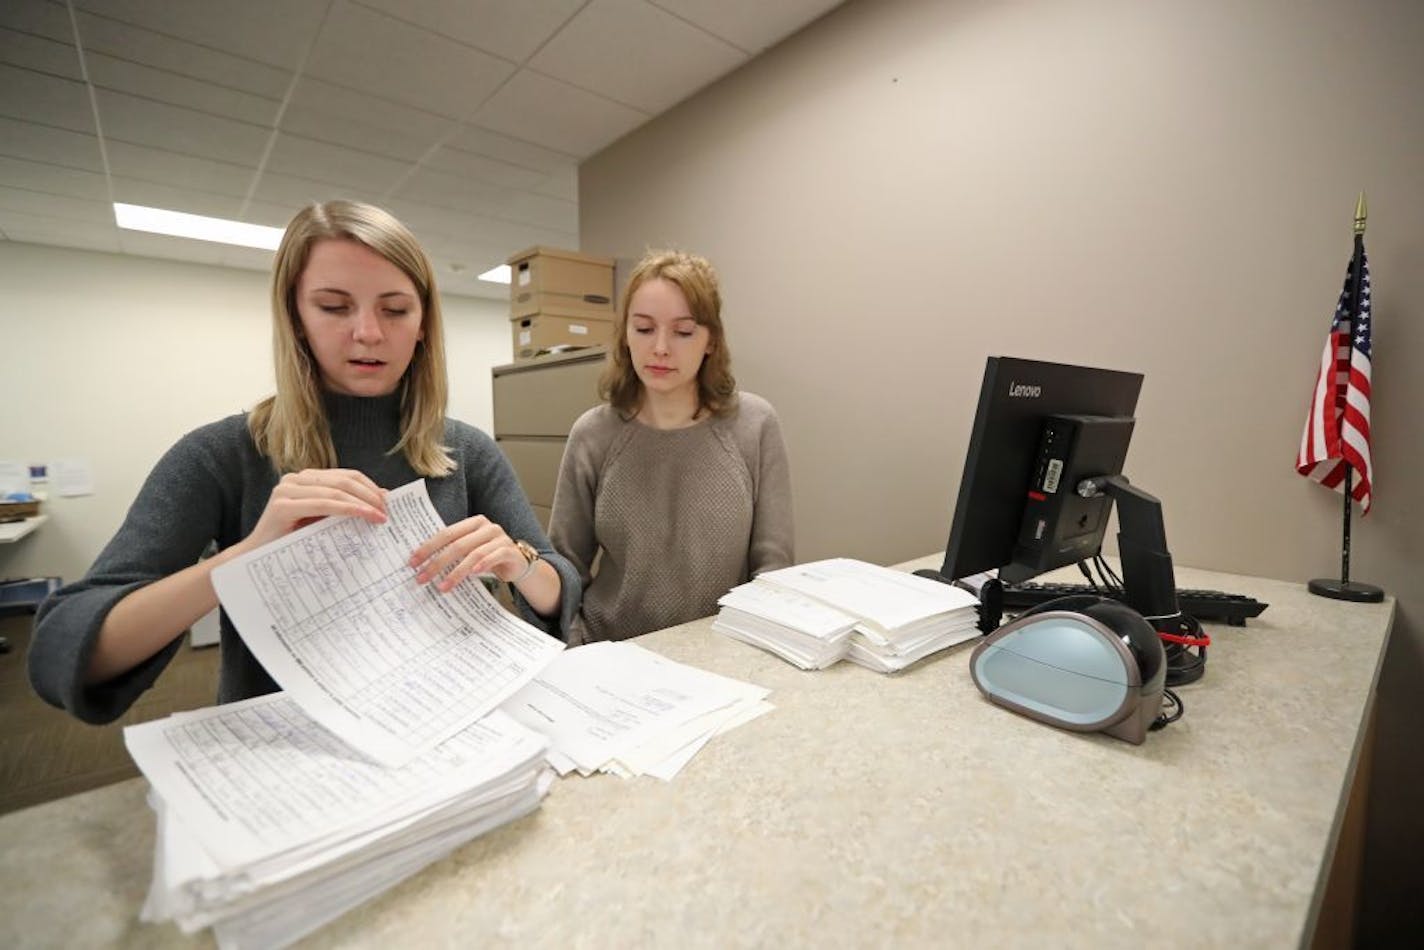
[598,700]
[334,614]
[71,477]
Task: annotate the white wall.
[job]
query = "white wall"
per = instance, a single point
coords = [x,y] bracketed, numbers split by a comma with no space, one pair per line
[111,359]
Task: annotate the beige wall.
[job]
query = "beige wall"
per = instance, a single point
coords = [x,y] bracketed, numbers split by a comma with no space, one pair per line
[112,358]
[907,187]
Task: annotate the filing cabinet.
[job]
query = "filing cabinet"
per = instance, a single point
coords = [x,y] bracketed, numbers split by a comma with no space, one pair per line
[536,402]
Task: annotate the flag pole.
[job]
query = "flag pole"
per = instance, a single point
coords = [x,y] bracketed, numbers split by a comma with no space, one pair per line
[1344,588]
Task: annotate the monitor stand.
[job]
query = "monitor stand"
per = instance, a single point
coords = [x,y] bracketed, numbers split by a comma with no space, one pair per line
[1149,583]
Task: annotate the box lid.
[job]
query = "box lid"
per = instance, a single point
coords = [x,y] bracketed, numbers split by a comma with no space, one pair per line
[541,250]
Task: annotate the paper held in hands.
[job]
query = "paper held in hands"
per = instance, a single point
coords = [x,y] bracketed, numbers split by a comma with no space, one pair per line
[333,612]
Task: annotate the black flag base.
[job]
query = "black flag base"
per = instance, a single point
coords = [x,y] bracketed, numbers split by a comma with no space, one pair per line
[1346,590]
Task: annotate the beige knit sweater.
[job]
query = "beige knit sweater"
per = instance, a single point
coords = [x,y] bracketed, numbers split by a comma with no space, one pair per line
[676,516]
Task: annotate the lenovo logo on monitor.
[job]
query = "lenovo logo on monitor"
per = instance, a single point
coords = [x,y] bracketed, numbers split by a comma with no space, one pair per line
[1024,391]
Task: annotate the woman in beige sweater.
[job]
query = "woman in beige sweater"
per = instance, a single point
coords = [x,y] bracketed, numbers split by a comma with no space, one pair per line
[679,483]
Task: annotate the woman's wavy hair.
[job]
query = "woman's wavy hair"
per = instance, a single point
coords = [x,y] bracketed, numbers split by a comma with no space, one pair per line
[697,280]
[291,427]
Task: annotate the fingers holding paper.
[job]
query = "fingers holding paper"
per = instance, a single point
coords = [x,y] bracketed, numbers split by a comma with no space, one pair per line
[311,494]
[475,545]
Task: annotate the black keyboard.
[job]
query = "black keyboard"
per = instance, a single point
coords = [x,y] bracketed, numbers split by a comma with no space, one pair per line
[1204,605]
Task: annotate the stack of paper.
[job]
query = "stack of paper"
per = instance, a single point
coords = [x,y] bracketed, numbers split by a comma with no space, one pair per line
[383,752]
[898,618]
[616,707]
[795,627]
[270,826]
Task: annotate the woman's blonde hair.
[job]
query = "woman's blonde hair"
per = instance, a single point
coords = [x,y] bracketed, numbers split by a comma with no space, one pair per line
[291,427]
[697,280]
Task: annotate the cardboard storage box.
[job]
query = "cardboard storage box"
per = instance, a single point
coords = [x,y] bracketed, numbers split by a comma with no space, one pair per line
[542,279]
[541,332]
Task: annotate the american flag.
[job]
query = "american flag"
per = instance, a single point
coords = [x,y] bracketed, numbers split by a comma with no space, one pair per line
[1337,431]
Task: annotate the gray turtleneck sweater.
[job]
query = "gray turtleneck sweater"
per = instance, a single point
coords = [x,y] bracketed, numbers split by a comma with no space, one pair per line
[676,517]
[213,486]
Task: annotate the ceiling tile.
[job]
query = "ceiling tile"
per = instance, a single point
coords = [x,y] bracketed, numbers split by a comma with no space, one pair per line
[540,211]
[320,110]
[320,161]
[481,141]
[55,57]
[56,206]
[49,100]
[430,221]
[39,17]
[154,195]
[561,184]
[269,31]
[478,167]
[137,45]
[636,54]
[371,52]
[470,238]
[57,232]
[452,191]
[511,29]
[486,252]
[556,115]
[272,214]
[752,25]
[292,192]
[180,171]
[53,179]
[42,143]
[162,86]
[160,125]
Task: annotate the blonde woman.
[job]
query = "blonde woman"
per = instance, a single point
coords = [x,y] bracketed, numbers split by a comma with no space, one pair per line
[679,484]
[359,409]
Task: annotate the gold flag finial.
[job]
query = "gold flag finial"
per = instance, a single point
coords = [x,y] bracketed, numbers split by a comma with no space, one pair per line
[1361,212]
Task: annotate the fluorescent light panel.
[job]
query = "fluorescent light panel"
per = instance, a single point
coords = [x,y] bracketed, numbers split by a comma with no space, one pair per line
[497,275]
[196,226]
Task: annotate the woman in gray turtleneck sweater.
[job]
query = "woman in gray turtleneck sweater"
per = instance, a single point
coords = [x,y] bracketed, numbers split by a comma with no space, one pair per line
[359,409]
[679,483]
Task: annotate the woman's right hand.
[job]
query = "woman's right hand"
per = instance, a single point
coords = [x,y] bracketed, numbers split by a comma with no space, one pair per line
[315,493]
[146,620]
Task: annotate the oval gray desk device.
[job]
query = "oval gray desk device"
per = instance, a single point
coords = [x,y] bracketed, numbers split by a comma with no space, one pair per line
[1082,663]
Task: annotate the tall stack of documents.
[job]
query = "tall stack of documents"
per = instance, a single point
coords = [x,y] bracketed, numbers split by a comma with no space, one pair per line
[616,707]
[384,751]
[895,619]
[797,628]
[269,826]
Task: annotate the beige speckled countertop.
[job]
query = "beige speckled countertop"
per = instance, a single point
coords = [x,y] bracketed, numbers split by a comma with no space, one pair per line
[865,811]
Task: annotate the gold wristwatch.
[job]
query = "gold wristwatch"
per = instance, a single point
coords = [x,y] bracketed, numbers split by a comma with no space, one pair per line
[531,557]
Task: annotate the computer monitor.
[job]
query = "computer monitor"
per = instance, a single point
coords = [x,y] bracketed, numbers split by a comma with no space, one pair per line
[1043,469]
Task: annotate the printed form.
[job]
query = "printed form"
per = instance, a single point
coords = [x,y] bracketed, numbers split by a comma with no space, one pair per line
[259,778]
[600,701]
[334,614]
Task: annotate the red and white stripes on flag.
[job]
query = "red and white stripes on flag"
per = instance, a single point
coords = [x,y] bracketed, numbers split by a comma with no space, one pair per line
[1337,431]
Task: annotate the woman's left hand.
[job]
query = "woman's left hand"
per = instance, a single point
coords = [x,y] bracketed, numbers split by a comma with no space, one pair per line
[474,546]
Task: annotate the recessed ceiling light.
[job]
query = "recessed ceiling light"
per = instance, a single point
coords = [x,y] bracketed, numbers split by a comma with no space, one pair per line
[196,226]
[497,275]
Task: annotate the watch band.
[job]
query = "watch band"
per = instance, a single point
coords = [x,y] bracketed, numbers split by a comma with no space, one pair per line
[531,557]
